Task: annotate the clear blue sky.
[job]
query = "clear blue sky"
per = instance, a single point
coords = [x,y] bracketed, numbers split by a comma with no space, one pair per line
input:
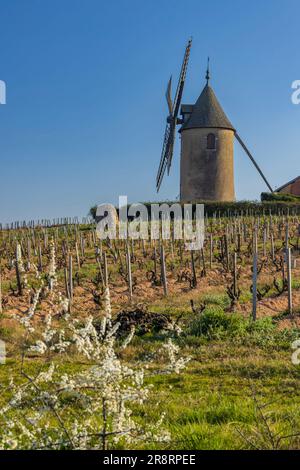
[85,110]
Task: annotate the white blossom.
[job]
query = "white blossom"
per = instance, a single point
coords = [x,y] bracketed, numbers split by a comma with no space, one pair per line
[176,364]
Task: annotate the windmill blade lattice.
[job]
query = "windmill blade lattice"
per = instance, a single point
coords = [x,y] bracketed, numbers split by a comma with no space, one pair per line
[170,132]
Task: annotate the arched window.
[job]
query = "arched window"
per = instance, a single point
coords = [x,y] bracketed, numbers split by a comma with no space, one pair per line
[211,142]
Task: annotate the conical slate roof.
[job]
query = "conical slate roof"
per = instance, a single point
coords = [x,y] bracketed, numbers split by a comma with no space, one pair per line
[207,112]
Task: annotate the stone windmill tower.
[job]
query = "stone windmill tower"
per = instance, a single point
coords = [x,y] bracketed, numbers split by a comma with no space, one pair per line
[207,144]
[207,135]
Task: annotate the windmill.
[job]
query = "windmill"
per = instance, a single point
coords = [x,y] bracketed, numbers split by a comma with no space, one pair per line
[206,168]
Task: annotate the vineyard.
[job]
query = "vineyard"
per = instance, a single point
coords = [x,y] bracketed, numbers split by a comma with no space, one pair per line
[145,344]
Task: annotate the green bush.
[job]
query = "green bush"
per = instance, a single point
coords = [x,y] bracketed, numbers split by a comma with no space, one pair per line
[92,212]
[215,324]
[280,197]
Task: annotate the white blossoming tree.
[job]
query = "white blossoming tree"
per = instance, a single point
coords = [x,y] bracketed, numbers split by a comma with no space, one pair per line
[87,409]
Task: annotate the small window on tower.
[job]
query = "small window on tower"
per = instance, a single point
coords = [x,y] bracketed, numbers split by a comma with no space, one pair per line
[211,142]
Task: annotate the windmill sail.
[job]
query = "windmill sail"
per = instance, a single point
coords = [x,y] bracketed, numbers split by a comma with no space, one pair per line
[170,132]
[168,96]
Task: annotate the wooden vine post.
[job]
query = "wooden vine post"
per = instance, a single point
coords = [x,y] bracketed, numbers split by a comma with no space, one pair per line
[71,277]
[105,270]
[163,269]
[210,250]
[289,280]
[235,289]
[128,260]
[193,269]
[40,264]
[254,276]
[77,256]
[18,275]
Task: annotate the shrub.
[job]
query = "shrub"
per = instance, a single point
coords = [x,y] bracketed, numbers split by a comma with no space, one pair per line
[280,197]
[215,324]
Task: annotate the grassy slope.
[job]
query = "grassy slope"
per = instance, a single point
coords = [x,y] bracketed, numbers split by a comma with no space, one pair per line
[203,404]
[206,404]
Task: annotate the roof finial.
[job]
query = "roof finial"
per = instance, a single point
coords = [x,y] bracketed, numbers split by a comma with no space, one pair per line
[207,72]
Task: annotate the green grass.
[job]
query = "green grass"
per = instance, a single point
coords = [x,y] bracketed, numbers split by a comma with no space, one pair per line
[206,404]
[214,323]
